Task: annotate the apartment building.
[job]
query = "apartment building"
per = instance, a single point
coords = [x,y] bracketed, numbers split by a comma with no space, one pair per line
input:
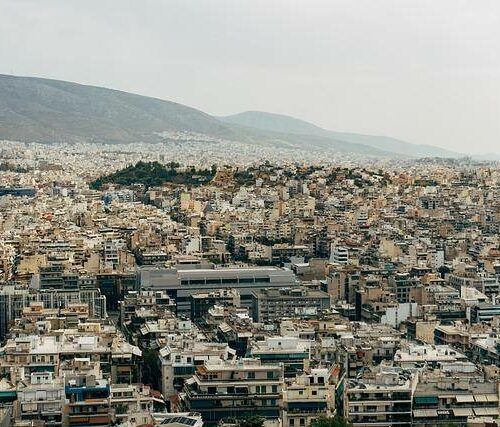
[88,394]
[272,304]
[179,361]
[225,389]
[382,397]
[310,395]
[290,352]
[43,398]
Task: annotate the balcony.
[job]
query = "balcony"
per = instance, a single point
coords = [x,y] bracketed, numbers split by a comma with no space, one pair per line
[363,412]
[89,420]
[311,406]
[193,394]
[374,399]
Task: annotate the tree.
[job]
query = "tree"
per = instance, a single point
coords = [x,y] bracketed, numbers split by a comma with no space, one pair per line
[251,422]
[443,271]
[245,421]
[121,409]
[324,421]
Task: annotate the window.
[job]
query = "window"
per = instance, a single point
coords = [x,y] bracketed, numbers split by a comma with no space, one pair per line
[270,375]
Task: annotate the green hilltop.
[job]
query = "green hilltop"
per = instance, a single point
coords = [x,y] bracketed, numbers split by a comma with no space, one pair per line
[154,174]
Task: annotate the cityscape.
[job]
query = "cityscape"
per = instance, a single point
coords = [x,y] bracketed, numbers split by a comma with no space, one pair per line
[280,291]
[165,266]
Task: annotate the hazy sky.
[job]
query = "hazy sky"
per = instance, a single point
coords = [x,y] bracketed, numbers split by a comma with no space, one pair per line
[426,71]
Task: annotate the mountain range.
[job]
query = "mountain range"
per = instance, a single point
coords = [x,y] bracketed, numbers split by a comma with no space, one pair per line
[290,125]
[43,110]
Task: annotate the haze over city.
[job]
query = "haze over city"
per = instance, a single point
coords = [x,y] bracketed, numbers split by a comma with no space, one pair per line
[425,72]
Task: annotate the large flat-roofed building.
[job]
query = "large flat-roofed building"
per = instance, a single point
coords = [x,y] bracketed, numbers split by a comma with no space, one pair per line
[181,283]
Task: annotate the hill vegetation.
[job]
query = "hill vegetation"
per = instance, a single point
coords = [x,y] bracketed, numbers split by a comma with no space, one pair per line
[154,174]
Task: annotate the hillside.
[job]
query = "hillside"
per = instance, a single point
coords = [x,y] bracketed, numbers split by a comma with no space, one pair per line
[153,174]
[33,109]
[43,110]
[286,124]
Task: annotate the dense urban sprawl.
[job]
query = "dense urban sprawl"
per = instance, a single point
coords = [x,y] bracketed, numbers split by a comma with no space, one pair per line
[210,284]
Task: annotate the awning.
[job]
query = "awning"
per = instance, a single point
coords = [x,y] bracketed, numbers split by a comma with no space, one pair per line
[463,412]
[424,413]
[486,411]
[426,400]
[465,398]
[481,398]
[492,397]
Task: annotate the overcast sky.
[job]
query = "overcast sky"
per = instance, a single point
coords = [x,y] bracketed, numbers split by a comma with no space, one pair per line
[425,71]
